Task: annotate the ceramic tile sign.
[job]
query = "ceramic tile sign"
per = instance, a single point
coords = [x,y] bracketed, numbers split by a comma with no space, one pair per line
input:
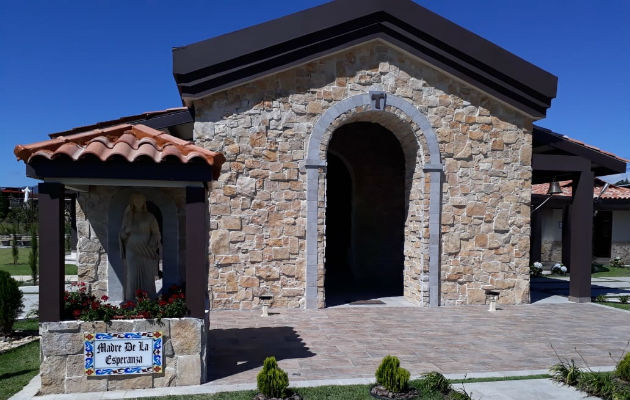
[125,353]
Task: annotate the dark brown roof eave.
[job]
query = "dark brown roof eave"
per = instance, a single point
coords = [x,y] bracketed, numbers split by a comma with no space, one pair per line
[154,119]
[546,141]
[218,63]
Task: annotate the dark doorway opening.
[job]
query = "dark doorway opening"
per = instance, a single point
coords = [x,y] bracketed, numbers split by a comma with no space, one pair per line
[602,234]
[365,214]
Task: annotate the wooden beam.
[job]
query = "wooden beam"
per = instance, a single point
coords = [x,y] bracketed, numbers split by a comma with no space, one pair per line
[552,162]
[51,251]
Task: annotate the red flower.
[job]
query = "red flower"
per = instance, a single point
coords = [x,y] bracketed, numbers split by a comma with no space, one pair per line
[171,300]
[162,303]
[76,313]
[95,305]
[104,298]
[82,283]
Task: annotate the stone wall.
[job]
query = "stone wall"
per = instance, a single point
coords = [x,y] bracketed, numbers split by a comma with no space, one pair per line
[258,206]
[621,250]
[551,251]
[62,360]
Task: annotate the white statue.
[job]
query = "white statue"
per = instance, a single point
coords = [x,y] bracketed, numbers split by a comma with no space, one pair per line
[27,191]
[139,247]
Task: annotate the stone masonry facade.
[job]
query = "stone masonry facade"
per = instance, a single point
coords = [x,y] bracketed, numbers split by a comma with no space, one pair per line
[258,206]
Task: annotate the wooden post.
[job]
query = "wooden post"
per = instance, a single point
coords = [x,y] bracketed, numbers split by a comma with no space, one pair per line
[566,238]
[196,251]
[581,214]
[51,251]
[535,240]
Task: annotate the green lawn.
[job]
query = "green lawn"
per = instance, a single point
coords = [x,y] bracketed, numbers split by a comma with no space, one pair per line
[607,271]
[616,305]
[22,267]
[354,392]
[26,325]
[17,367]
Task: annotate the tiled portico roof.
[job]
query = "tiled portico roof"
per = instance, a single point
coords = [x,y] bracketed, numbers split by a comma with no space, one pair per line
[612,192]
[129,142]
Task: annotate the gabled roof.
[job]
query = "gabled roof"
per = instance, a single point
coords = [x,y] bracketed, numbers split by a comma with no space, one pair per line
[612,192]
[546,141]
[225,61]
[130,143]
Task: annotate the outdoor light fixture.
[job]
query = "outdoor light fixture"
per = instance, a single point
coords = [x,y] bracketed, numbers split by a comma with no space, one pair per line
[266,302]
[554,188]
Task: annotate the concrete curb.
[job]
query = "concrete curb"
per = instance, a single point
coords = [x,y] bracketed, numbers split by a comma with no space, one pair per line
[209,388]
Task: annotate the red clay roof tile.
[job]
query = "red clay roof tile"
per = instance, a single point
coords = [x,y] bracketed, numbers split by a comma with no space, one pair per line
[612,192]
[130,142]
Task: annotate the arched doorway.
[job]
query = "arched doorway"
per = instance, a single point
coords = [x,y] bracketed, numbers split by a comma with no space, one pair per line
[365,214]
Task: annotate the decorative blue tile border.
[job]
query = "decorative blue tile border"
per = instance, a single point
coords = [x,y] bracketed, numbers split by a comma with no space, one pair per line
[89,353]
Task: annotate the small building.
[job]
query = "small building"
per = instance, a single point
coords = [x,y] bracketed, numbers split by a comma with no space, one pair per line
[611,221]
[370,148]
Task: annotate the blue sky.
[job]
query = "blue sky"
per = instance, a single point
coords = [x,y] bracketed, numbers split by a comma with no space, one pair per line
[69,63]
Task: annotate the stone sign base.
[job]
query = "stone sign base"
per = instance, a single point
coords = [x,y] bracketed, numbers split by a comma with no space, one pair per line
[62,360]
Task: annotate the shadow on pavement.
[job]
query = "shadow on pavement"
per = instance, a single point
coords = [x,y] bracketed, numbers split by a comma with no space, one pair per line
[543,287]
[236,350]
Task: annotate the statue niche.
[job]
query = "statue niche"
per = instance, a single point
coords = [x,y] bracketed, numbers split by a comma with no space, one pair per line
[140,247]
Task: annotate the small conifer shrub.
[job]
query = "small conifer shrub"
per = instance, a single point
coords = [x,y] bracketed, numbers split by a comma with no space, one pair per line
[272,380]
[436,382]
[623,368]
[10,302]
[391,376]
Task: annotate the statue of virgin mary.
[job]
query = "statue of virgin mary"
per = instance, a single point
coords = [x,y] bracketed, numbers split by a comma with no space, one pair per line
[139,247]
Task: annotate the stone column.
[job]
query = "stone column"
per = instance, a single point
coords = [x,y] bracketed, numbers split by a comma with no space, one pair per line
[51,251]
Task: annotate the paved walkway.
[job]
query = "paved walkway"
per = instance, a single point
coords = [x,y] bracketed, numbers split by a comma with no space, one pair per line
[344,345]
[350,342]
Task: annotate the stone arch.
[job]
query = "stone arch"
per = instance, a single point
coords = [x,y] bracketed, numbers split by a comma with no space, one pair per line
[372,102]
[170,242]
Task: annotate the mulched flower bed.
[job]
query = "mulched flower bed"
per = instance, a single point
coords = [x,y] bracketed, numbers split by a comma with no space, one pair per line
[380,392]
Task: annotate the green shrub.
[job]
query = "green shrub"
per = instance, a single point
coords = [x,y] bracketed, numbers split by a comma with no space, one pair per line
[623,299]
[456,395]
[600,385]
[10,302]
[616,262]
[272,380]
[600,298]
[436,382]
[623,368]
[391,376]
[565,372]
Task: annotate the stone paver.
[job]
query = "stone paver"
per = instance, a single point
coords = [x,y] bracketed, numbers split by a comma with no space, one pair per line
[349,342]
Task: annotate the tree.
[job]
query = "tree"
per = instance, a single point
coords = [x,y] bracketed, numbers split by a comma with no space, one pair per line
[622,182]
[4,206]
[32,258]
[14,248]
